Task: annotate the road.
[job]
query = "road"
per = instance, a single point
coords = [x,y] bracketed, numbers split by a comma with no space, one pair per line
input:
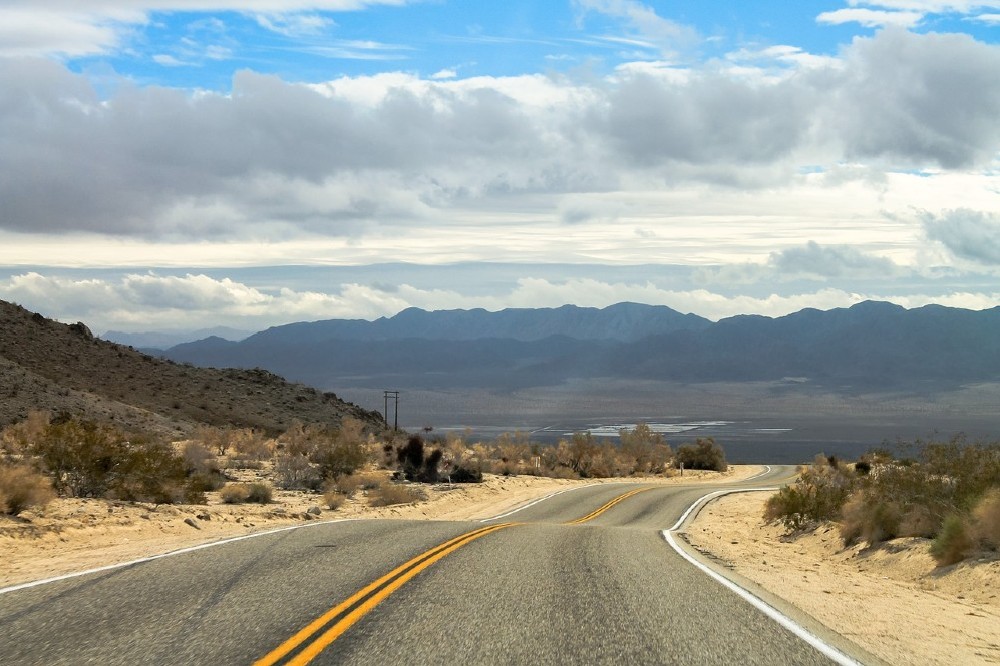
[583,577]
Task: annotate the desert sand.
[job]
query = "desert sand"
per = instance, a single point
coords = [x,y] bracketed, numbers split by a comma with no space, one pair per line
[891,600]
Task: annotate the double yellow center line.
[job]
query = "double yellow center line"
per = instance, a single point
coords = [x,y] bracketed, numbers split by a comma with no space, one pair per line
[312,639]
[596,512]
[341,617]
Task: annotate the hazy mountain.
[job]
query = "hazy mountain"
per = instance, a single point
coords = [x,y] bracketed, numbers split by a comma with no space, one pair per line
[869,344]
[624,322]
[167,339]
[46,365]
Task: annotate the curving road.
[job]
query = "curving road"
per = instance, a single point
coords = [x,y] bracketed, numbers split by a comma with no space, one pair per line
[583,577]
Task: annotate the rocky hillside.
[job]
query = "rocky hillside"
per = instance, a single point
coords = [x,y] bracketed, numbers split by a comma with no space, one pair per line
[46,365]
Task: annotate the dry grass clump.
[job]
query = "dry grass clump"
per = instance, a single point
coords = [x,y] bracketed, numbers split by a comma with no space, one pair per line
[240,493]
[23,488]
[986,519]
[389,493]
[334,500]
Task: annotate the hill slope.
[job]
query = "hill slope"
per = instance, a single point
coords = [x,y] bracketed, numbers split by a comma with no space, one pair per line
[57,367]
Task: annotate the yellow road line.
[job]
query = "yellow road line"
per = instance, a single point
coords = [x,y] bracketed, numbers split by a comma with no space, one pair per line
[595,513]
[365,600]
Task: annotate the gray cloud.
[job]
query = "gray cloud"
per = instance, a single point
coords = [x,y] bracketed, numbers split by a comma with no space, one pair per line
[830,261]
[272,154]
[968,234]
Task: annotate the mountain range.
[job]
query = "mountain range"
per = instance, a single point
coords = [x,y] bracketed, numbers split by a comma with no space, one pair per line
[869,345]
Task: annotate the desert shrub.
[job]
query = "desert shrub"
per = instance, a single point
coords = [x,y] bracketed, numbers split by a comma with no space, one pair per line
[986,519]
[206,481]
[705,453]
[260,493]
[388,494]
[869,520]
[199,458]
[953,542]
[251,445]
[17,440]
[294,471]
[346,485]
[818,494]
[411,457]
[644,451]
[334,500]
[86,459]
[23,488]
[235,493]
[462,474]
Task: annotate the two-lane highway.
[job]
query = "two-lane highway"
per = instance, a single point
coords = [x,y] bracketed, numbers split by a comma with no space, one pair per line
[583,577]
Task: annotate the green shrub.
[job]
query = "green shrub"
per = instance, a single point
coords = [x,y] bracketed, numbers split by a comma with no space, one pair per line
[818,494]
[703,454]
[953,542]
[23,488]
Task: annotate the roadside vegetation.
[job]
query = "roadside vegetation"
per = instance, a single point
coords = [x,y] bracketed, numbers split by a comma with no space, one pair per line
[48,456]
[947,492]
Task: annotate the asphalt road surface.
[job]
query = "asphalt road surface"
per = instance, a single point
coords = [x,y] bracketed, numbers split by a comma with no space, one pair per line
[583,577]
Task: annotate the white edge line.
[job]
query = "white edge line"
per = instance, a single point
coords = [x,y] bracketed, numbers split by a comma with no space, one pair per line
[540,499]
[798,630]
[211,544]
[761,473]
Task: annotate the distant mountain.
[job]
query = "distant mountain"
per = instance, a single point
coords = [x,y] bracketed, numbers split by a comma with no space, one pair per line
[167,339]
[868,345]
[623,322]
[46,365]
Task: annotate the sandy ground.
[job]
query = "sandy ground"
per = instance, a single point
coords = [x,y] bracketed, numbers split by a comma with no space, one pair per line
[891,600]
[72,535]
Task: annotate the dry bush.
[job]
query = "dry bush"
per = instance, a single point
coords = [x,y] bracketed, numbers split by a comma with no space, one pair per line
[235,493]
[293,471]
[17,440]
[388,494]
[986,519]
[346,485]
[260,493]
[23,488]
[250,444]
[334,500]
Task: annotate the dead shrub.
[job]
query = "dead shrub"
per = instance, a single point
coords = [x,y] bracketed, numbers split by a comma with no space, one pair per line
[23,488]
[235,493]
[388,494]
[986,519]
[334,500]
[260,493]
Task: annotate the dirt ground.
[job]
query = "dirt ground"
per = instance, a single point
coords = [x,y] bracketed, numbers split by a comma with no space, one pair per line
[72,535]
[891,600]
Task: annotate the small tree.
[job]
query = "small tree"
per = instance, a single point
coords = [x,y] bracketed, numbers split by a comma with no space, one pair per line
[703,454]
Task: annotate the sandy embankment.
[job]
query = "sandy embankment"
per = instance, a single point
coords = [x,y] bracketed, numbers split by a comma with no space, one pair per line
[74,534]
[891,600]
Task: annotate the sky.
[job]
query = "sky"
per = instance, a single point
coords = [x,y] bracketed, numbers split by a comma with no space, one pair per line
[184,164]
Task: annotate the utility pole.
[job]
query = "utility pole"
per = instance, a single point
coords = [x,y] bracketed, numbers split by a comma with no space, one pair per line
[386,395]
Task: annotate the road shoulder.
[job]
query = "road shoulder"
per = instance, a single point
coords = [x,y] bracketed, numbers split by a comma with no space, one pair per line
[890,601]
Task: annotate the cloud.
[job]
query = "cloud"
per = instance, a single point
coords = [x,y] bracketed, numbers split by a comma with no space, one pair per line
[274,157]
[648,29]
[56,27]
[968,234]
[830,261]
[871,18]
